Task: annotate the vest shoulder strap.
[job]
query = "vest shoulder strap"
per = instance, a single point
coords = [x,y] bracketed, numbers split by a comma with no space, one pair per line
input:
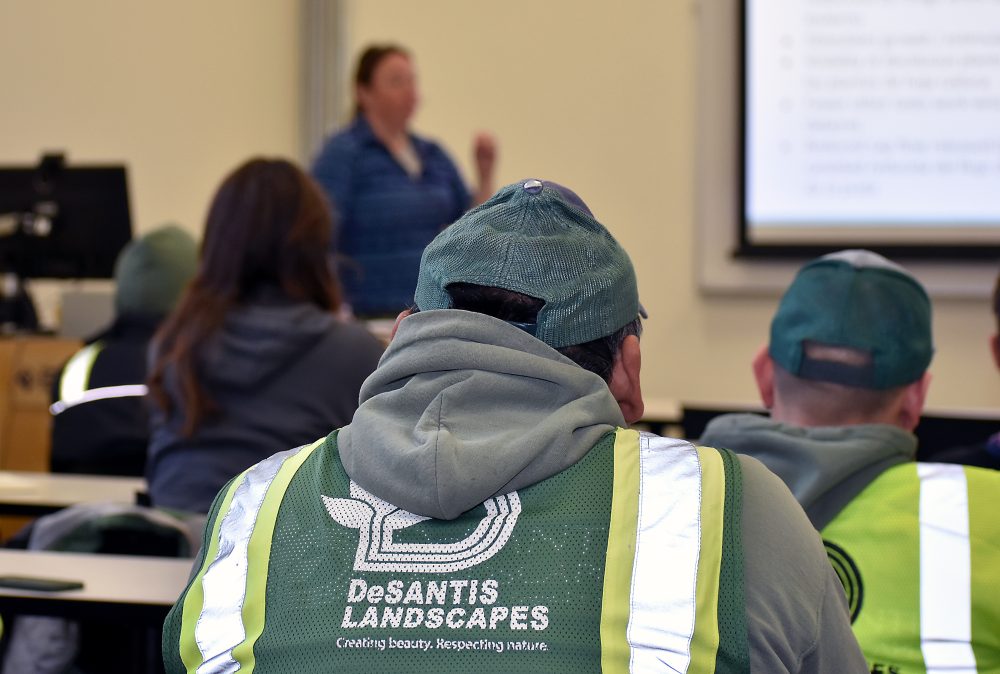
[75,377]
[674,506]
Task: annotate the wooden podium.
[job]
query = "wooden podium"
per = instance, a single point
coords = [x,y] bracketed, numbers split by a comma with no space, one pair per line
[28,368]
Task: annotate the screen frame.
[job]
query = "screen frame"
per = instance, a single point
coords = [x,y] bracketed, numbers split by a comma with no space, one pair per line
[718,271]
[748,248]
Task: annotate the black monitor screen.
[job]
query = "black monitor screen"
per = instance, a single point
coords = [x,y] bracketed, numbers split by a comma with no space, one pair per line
[63,222]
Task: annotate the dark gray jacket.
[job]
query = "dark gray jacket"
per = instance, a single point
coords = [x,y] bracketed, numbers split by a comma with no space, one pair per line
[282,373]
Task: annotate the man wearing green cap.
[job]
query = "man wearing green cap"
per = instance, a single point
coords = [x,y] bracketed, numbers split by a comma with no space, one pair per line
[100,423]
[915,544]
[487,509]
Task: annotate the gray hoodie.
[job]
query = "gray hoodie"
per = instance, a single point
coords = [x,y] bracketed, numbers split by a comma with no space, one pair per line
[825,467]
[282,373]
[464,406]
[449,393]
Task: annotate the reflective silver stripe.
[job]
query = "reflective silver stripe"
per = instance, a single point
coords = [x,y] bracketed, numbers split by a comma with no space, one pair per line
[945,570]
[76,374]
[102,393]
[220,625]
[668,542]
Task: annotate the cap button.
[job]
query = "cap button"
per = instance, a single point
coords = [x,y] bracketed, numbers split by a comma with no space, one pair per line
[532,186]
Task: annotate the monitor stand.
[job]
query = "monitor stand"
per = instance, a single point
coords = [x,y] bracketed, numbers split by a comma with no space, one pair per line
[17,309]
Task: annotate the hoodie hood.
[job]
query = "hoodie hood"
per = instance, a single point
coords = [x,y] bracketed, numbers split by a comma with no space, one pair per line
[464,407]
[261,336]
[825,467]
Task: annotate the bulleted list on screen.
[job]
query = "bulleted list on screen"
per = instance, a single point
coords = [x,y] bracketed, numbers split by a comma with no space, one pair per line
[873,111]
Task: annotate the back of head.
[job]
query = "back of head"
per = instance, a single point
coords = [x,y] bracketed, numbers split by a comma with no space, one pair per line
[152,271]
[269,226]
[534,255]
[851,332]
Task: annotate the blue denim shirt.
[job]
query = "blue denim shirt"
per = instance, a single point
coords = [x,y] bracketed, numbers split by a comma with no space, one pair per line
[384,217]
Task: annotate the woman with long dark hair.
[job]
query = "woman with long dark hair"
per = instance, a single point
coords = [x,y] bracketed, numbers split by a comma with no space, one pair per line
[253,360]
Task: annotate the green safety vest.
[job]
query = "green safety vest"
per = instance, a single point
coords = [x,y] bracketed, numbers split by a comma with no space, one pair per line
[918,552]
[628,561]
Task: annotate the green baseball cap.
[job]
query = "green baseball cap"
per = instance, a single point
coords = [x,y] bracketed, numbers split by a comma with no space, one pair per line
[151,272]
[537,238]
[859,300]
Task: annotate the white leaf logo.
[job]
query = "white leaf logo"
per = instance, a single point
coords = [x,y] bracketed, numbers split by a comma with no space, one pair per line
[377,521]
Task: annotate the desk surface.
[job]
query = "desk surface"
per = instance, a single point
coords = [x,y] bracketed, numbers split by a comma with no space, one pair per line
[24,493]
[117,587]
[662,410]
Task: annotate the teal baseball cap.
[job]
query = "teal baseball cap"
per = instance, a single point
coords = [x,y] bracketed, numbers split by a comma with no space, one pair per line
[152,272]
[537,238]
[859,300]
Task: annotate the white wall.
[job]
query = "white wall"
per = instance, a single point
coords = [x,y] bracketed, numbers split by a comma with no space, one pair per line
[180,91]
[602,97]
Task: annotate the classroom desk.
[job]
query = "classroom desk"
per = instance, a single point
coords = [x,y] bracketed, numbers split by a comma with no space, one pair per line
[26,493]
[118,588]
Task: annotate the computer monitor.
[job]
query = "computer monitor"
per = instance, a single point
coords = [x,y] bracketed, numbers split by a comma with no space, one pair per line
[59,221]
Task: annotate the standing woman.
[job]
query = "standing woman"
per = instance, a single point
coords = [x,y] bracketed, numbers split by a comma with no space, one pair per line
[252,360]
[393,190]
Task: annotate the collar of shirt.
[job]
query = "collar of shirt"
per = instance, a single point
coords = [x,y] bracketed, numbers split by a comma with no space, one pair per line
[362,131]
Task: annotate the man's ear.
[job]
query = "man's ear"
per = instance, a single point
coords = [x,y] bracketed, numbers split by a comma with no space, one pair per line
[395,326]
[624,384]
[763,373]
[995,349]
[911,405]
